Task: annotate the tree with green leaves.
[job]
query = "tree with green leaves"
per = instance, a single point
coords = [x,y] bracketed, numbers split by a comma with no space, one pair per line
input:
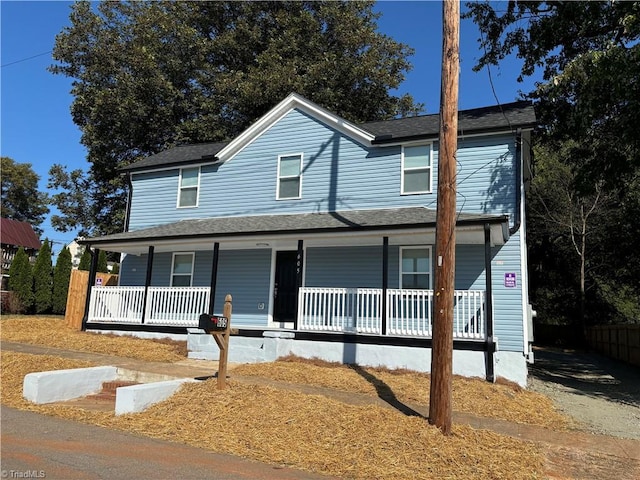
[102,262]
[43,279]
[85,260]
[21,281]
[21,199]
[589,53]
[149,75]
[588,163]
[61,280]
[567,223]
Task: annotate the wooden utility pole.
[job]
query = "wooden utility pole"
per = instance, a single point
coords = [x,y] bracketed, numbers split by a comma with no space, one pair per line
[440,399]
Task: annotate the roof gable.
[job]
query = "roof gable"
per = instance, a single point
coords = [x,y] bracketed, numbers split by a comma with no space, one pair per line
[19,234]
[294,101]
[497,118]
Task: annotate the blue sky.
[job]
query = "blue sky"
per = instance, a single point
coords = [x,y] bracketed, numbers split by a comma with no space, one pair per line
[36,124]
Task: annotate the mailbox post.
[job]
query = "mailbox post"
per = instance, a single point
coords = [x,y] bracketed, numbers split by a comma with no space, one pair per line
[220,328]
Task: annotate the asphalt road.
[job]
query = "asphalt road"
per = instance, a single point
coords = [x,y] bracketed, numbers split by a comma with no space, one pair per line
[37,446]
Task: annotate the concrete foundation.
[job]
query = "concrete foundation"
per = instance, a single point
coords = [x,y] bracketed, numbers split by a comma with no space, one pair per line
[275,344]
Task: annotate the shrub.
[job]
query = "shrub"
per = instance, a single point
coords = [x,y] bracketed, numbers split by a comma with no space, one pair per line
[43,280]
[61,279]
[21,280]
[102,262]
[85,260]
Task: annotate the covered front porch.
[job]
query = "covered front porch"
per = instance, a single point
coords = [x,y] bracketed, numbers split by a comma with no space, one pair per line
[340,272]
[375,311]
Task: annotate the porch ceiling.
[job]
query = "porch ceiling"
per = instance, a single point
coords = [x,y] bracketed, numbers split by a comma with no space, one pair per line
[413,225]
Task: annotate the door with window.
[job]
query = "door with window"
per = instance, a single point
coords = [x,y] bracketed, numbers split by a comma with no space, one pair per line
[285,291]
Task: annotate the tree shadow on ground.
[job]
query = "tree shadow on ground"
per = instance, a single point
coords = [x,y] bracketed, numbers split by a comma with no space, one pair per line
[385,392]
[588,374]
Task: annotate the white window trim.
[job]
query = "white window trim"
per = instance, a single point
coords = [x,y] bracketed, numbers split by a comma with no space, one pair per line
[197,187]
[173,260]
[301,155]
[429,168]
[416,247]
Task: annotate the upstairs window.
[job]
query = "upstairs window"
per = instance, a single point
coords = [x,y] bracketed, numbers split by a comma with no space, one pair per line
[181,269]
[188,190]
[416,169]
[289,177]
[415,268]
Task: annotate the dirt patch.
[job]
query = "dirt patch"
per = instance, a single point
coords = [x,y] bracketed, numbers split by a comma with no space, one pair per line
[572,463]
[601,394]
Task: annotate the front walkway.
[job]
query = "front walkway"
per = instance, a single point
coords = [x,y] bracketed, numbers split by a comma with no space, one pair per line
[572,454]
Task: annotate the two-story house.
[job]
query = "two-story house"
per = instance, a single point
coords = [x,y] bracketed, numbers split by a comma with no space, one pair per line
[323,231]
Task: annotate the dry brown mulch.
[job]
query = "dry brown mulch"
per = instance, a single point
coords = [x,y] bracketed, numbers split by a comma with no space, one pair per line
[52,331]
[309,432]
[502,400]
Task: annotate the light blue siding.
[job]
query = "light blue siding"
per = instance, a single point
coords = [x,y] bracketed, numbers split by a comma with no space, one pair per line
[244,274]
[470,267]
[338,174]
[486,175]
[133,270]
[507,302]
[349,267]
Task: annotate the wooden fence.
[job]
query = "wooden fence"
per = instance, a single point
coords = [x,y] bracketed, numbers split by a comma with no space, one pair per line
[621,342]
[77,296]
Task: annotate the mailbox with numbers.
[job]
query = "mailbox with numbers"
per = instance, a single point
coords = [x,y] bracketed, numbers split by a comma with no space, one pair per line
[211,323]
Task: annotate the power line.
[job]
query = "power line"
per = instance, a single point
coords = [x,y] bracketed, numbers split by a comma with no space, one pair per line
[25,59]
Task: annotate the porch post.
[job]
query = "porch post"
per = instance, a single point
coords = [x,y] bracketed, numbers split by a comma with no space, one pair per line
[214,277]
[488,305]
[299,269]
[385,282]
[147,281]
[92,280]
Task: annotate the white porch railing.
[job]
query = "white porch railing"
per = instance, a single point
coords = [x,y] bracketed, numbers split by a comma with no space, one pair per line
[409,312]
[340,309]
[358,310]
[116,304]
[179,306]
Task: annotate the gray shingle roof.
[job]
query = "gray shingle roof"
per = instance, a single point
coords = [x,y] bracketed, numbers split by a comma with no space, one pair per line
[486,119]
[498,117]
[178,156]
[355,220]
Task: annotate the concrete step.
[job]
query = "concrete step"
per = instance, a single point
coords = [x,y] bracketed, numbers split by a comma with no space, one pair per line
[108,391]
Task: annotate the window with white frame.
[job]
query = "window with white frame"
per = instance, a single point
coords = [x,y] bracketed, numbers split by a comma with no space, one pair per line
[416,169]
[415,267]
[289,177]
[181,269]
[188,189]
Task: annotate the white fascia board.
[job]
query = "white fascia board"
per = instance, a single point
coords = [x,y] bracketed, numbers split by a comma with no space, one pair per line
[461,138]
[465,234]
[290,103]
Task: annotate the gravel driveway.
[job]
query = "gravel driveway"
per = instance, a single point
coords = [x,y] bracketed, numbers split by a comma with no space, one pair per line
[601,394]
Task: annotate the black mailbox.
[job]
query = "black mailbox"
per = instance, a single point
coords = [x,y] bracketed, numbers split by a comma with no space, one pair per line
[212,322]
